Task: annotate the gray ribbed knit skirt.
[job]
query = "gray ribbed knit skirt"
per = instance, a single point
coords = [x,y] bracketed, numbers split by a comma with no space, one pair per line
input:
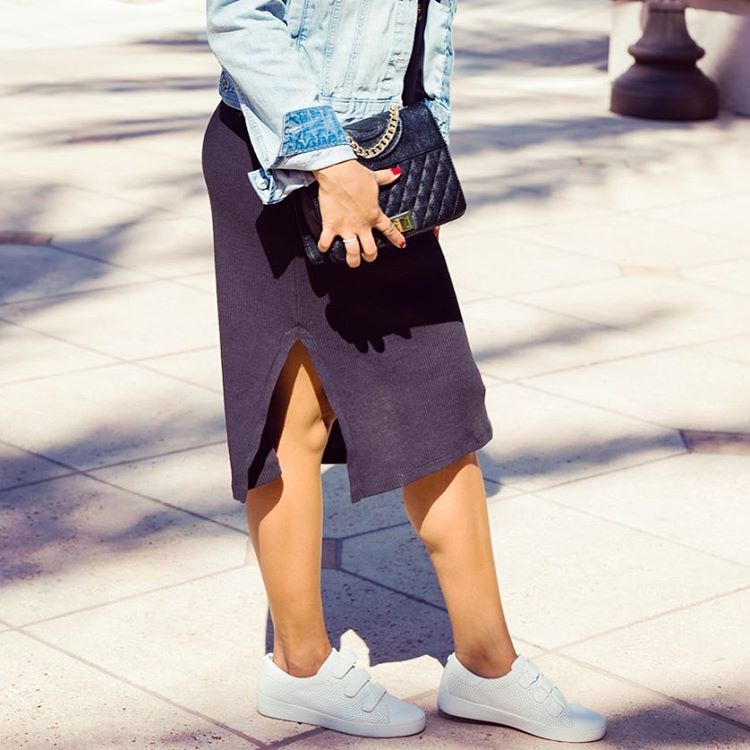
[386,338]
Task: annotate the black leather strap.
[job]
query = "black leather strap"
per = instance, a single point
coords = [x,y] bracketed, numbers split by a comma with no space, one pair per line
[413,89]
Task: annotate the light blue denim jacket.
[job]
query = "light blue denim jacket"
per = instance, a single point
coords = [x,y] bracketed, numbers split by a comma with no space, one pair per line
[299,70]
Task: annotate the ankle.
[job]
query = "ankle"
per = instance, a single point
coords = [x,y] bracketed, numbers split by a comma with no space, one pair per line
[301,662]
[487,664]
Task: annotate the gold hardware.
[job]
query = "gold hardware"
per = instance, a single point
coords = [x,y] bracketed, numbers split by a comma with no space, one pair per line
[404,222]
[385,139]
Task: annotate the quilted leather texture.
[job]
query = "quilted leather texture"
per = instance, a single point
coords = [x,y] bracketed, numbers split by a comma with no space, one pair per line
[428,186]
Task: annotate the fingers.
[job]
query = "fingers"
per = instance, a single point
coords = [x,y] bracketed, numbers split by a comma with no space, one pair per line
[367,242]
[353,250]
[326,239]
[386,176]
[388,228]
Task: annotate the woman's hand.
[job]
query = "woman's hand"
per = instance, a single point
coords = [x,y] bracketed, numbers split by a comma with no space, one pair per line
[348,194]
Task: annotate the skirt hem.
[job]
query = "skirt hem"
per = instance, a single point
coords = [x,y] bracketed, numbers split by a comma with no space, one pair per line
[474,442]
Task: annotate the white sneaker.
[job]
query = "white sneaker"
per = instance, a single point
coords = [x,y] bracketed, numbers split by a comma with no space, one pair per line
[523,699]
[338,696]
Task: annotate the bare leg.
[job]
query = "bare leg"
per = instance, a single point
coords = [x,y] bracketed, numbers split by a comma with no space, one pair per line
[285,518]
[448,510]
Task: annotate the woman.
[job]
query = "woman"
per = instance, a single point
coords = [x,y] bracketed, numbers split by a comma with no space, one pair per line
[364,362]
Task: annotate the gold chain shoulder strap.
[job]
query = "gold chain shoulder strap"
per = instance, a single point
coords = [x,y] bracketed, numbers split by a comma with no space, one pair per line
[385,139]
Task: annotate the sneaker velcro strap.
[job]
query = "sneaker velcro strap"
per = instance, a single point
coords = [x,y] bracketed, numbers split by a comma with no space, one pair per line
[543,689]
[374,693]
[355,681]
[558,703]
[530,676]
[344,663]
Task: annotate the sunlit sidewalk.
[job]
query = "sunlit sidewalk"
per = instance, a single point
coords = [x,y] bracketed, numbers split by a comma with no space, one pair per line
[604,272]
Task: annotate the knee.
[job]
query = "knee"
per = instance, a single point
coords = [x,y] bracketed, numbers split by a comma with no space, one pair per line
[314,434]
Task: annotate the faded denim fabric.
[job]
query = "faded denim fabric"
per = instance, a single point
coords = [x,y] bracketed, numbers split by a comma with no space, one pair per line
[300,70]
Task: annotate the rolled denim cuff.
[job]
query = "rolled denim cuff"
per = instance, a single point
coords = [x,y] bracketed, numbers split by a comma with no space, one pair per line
[323,157]
[308,132]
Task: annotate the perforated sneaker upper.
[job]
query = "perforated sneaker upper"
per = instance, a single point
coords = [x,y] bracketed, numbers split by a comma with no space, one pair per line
[338,689]
[524,691]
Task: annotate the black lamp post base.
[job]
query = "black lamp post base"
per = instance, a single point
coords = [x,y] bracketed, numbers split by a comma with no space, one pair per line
[665,83]
[663,93]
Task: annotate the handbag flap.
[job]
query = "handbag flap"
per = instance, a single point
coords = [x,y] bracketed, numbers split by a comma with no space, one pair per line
[416,133]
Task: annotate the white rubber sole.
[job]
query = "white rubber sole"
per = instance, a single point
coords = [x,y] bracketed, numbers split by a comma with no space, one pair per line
[464,709]
[276,709]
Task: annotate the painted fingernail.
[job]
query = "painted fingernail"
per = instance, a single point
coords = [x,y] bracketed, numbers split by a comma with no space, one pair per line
[396,170]
[403,244]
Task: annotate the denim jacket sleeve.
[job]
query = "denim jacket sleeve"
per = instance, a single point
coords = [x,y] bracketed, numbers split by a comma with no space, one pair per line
[289,128]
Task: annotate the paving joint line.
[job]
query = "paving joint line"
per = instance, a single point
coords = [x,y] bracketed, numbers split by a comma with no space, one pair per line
[142,688]
[166,504]
[604,473]
[393,590]
[664,696]
[116,360]
[646,532]
[586,365]
[650,618]
[127,597]
[607,409]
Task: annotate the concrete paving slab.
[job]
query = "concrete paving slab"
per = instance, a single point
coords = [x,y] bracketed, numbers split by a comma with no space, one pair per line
[638,171]
[180,139]
[542,440]
[164,246]
[57,207]
[672,311]
[725,216]
[640,241]
[149,414]
[196,480]
[205,658]
[201,367]
[733,276]
[692,499]
[130,322]
[100,166]
[98,711]
[205,282]
[76,543]
[557,578]
[26,354]
[708,672]
[512,340]
[19,467]
[497,206]
[680,388]
[40,271]
[734,348]
[498,265]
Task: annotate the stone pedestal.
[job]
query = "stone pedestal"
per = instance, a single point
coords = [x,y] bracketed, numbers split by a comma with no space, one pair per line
[664,82]
[720,27]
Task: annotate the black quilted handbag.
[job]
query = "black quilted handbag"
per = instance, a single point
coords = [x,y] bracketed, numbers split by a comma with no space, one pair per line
[427,193]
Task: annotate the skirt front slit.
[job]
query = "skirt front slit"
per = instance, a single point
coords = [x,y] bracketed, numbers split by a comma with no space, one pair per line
[387,338]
